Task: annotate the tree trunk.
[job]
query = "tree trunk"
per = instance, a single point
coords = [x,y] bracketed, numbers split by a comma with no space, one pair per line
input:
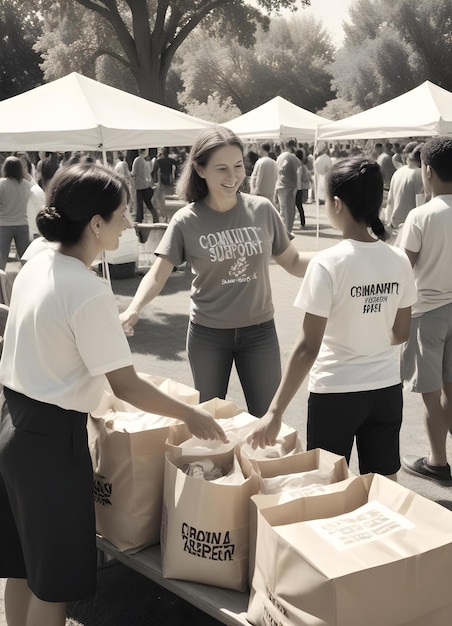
[150,84]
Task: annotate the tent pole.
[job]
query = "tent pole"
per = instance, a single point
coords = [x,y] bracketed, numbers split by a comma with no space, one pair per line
[104,155]
[316,187]
[103,258]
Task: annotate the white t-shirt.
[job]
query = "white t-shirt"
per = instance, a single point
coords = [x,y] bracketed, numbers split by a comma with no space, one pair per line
[428,230]
[63,333]
[263,177]
[406,185]
[36,202]
[13,201]
[122,168]
[358,286]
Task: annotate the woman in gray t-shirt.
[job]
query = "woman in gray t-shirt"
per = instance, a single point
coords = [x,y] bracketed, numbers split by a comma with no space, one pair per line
[228,238]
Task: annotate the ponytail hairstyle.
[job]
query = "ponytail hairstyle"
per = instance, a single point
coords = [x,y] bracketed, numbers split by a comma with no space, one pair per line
[79,192]
[191,187]
[358,182]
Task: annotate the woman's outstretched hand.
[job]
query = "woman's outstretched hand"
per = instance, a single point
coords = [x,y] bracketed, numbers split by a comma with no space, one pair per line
[265,433]
[202,425]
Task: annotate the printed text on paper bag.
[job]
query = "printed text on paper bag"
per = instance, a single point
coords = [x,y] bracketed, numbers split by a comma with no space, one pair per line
[215,546]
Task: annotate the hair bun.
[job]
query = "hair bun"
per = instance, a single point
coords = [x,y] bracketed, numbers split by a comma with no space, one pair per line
[51,211]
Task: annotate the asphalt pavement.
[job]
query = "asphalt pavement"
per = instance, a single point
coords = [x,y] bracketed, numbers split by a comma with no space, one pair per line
[126,598]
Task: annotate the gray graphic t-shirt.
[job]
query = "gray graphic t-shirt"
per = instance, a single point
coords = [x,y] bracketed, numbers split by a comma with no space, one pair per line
[229,254]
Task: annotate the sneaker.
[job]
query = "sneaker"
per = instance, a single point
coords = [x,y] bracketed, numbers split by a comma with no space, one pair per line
[420,467]
[291,236]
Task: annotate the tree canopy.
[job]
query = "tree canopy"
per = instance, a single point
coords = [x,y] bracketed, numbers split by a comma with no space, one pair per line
[144,35]
[391,47]
[19,70]
[291,60]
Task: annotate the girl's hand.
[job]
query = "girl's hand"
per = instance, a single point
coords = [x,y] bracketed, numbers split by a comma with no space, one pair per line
[128,319]
[265,433]
[202,425]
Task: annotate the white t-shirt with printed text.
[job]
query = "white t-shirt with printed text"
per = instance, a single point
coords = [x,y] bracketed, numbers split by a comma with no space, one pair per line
[359,287]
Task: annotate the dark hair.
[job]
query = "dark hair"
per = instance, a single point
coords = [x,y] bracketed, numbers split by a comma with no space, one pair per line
[12,168]
[358,182]
[77,193]
[23,156]
[265,146]
[410,146]
[250,160]
[301,155]
[49,167]
[437,152]
[191,187]
[415,155]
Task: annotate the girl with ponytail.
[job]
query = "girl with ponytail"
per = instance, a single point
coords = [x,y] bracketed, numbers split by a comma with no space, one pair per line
[356,298]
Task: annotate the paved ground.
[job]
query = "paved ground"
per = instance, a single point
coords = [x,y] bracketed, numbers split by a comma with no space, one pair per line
[124,597]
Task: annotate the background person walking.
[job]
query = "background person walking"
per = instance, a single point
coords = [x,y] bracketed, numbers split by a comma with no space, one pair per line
[15,192]
[141,173]
[426,237]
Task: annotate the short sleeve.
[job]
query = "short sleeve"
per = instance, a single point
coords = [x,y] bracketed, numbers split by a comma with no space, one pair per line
[409,296]
[99,336]
[172,244]
[316,292]
[411,235]
[281,239]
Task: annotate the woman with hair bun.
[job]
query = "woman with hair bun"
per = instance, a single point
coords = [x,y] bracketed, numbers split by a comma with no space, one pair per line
[357,298]
[62,342]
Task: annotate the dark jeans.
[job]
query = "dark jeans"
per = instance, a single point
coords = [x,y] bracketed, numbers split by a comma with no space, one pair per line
[21,236]
[302,196]
[253,349]
[145,195]
[286,199]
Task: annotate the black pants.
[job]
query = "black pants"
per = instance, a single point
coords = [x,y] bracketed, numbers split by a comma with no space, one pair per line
[145,195]
[47,520]
[299,198]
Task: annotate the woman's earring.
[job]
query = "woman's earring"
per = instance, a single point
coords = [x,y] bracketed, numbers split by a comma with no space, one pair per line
[97,234]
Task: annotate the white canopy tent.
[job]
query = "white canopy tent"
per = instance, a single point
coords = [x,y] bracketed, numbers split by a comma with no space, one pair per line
[422,112]
[276,120]
[78,113]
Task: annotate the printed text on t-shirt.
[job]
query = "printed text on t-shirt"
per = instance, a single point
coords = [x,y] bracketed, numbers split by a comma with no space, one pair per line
[374,295]
[232,243]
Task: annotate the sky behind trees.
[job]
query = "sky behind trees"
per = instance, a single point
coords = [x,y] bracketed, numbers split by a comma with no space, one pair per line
[332,13]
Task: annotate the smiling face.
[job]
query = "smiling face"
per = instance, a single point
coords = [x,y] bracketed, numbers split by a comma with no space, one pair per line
[223,173]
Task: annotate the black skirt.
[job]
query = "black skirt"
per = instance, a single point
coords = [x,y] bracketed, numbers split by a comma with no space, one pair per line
[47,520]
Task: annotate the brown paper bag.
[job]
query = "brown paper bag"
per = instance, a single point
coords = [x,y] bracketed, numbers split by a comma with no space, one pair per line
[205,526]
[369,553]
[288,443]
[220,409]
[317,459]
[129,471]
